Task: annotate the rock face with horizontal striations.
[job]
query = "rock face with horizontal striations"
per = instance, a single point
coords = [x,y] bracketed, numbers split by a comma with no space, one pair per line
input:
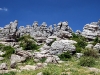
[61,46]
[8,33]
[42,32]
[92,30]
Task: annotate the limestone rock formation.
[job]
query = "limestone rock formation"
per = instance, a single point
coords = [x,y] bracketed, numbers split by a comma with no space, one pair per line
[91,30]
[42,32]
[8,33]
[61,46]
[3,66]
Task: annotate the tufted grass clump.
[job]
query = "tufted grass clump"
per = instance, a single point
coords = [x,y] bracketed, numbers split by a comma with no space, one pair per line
[87,61]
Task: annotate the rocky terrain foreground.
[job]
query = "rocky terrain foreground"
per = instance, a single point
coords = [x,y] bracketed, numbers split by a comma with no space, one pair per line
[53,50]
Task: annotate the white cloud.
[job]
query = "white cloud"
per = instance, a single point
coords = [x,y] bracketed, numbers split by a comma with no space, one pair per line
[3,9]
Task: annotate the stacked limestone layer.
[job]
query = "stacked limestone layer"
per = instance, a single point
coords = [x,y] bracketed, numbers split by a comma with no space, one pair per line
[8,33]
[42,32]
[92,30]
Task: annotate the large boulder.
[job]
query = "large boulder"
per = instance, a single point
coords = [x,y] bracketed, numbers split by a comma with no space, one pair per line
[90,46]
[23,53]
[13,64]
[52,59]
[62,46]
[17,58]
[97,47]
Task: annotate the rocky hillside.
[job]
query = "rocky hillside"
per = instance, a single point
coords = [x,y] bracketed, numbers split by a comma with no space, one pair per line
[38,46]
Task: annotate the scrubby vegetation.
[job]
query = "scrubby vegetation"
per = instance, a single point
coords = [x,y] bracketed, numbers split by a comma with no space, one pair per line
[43,59]
[91,52]
[81,42]
[8,51]
[71,65]
[65,56]
[87,61]
[10,73]
[96,40]
[28,43]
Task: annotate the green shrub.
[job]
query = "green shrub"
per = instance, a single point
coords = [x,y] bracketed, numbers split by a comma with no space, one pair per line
[28,43]
[96,40]
[1,46]
[8,51]
[81,42]
[78,49]
[65,56]
[9,73]
[29,61]
[46,73]
[91,52]
[87,61]
[77,37]
[52,69]
[43,59]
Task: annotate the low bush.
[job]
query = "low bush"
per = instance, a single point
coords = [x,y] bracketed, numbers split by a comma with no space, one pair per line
[65,56]
[52,69]
[9,73]
[46,73]
[96,40]
[29,61]
[28,43]
[81,42]
[91,52]
[78,49]
[1,46]
[87,61]
[8,51]
[43,59]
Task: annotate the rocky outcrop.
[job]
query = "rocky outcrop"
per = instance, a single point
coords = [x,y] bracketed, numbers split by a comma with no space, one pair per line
[40,33]
[78,32]
[20,56]
[61,46]
[92,30]
[8,33]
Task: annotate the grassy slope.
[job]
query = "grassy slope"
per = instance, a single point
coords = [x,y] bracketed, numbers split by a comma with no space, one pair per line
[70,67]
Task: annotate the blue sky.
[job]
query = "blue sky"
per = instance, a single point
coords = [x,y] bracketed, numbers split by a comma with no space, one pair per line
[76,12]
